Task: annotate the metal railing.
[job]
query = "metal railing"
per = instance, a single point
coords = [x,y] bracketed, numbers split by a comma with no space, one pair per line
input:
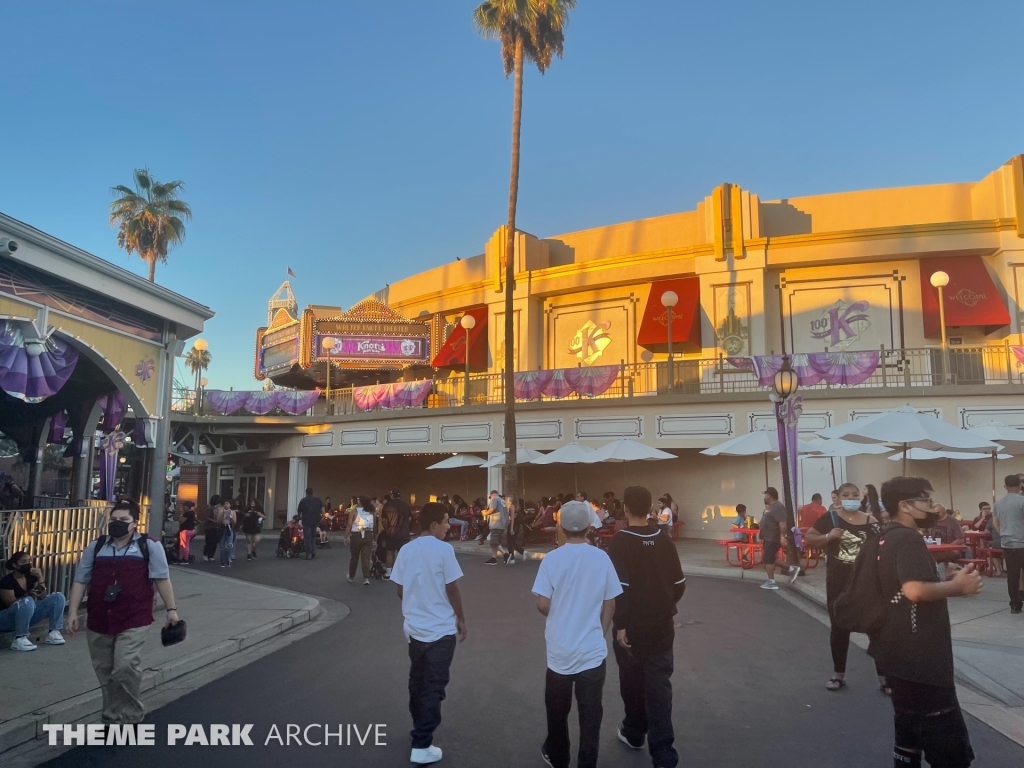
[897,369]
[55,538]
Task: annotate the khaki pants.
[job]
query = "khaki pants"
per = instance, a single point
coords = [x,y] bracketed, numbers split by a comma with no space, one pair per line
[117,660]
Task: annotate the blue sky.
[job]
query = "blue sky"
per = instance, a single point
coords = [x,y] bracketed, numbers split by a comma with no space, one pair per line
[361,142]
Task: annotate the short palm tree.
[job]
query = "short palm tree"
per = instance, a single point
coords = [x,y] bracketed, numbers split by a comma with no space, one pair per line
[150,219]
[531,30]
[198,361]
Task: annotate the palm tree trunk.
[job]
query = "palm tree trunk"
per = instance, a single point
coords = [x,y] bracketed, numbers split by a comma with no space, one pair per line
[510,472]
[152,270]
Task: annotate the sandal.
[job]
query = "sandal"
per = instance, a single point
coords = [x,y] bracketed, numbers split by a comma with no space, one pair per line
[885,689]
[835,684]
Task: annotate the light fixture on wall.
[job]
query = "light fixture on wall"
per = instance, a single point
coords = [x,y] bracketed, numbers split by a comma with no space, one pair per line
[668,300]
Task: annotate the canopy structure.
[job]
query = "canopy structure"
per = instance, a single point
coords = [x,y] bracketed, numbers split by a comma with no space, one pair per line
[571,453]
[458,461]
[997,432]
[653,334]
[763,442]
[523,456]
[626,450]
[910,428]
[923,454]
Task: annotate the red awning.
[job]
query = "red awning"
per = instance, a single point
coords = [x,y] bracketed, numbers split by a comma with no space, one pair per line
[453,352]
[971,297]
[685,317]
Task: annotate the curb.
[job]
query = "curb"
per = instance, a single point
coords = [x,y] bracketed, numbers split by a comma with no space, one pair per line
[963,671]
[26,728]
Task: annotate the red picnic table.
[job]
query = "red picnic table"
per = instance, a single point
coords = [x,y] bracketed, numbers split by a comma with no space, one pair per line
[934,548]
[748,550]
[976,540]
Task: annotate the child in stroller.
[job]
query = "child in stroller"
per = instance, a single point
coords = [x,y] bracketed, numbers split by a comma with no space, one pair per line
[291,544]
[321,533]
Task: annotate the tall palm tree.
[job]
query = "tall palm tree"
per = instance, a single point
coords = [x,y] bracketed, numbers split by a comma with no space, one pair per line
[150,219]
[531,30]
[198,361]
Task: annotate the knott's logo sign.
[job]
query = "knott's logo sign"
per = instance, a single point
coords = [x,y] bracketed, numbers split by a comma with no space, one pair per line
[842,324]
[370,348]
[967,297]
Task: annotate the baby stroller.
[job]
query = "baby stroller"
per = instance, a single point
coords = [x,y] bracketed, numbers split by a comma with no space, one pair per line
[172,551]
[321,534]
[290,543]
[380,554]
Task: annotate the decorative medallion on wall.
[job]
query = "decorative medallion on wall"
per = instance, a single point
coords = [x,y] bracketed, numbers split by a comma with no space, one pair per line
[144,370]
[841,324]
[590,341]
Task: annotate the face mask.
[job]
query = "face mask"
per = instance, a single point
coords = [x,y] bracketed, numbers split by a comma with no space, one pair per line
[26,568]
[851,505]
[928,521]
[117,528]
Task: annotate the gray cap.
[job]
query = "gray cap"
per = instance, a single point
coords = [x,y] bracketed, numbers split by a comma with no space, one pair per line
[575,516]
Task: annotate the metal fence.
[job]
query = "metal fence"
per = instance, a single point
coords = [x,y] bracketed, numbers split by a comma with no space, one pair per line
[55,538]
[898,368]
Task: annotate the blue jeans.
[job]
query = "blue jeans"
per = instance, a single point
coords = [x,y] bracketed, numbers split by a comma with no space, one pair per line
[428,677]
[28,612]
[463,525]
[227,547]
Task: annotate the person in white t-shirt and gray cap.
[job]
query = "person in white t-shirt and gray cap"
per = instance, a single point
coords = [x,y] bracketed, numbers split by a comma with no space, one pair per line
[576,587]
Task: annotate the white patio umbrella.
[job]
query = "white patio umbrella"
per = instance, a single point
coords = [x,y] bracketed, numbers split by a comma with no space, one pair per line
[762,442]
[571,453]
[833,449]
[523,456]
[923,454]
[626,450]
[910,428]
[997,432]
[460,461]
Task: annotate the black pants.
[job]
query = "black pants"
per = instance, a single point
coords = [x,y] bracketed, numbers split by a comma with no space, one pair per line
[1014,559]
[558,692]
[928,719]
[428,677]
[836,581]
[645,683]
[210,546]
[309,534]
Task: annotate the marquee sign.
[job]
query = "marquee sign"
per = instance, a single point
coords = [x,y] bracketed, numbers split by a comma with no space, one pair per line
[374,347]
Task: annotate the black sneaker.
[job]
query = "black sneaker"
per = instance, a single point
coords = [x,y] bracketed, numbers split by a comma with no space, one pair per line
[628,743]
[1015,610]
[248,557]
[491,561]
[545,758]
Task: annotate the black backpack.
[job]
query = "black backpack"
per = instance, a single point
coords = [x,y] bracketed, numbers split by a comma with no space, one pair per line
[862,607]
[143,549]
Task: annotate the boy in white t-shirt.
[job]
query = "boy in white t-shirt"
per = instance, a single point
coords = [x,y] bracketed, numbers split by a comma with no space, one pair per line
[426,571]
[576,588]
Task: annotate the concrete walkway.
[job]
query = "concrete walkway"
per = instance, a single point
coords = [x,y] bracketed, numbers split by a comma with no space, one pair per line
[988,642]
[225,617]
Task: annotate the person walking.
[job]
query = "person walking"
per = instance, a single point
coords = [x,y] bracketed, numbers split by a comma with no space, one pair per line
[652,581]
[252,526]
[211,529]
[359,537]
[425,573]
[310,511]
[576,587]
[515,531]
[775,539]
[1008,525]
[914,646]
[226,519]
[120,571]
[842,535]
[186,531]
[497,523]
[396,521]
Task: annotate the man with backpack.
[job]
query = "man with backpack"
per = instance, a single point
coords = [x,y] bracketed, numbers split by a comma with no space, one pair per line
[912,640]
[120,571]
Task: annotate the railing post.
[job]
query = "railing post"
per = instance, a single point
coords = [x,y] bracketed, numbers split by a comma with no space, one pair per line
[721,373]
[622,373]
[881,363]
[1009,365]
[906,368]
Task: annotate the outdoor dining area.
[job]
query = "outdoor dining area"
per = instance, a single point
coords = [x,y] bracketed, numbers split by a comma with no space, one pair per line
[911,436]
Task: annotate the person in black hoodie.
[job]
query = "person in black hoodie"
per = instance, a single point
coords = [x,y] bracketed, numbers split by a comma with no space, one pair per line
[652,580]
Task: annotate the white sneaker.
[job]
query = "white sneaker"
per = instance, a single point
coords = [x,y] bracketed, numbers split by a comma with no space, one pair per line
[794,572]
[387,573]
[55,638]
[366,582]
[510,561]
[770,584]
[425,756]
[350,579]
[22,644]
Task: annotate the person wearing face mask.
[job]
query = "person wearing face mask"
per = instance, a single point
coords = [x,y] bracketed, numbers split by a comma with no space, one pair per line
[24,603]
[842,533]
[120,571]
[913,645]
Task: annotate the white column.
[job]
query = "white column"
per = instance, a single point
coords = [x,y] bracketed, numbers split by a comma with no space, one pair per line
[298,472]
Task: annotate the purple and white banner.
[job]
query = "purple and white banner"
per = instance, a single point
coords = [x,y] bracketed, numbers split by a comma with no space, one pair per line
[375,347]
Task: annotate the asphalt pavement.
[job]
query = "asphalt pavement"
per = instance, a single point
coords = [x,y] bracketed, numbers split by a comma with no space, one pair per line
[749,684]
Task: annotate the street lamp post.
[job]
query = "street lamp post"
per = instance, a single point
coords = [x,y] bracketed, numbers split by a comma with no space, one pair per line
[468,322]
[668,300]
[199,346]
[940,280]
[329,344]
[202,390]
[784,384]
